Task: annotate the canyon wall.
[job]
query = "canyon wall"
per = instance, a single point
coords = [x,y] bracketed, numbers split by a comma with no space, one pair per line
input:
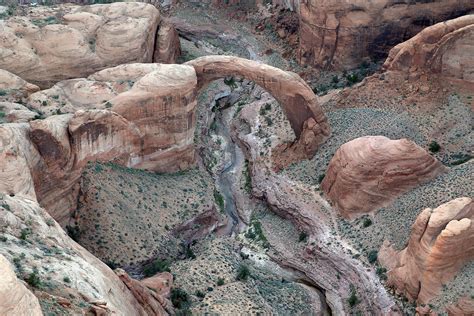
[444,49]
[342,34]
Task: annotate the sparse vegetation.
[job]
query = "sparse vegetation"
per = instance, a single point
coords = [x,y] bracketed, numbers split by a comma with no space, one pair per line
[367,222]
[372,256]
[220,281]
[179,298]
[33,279]
[303,237]
[353,300]
[219,201]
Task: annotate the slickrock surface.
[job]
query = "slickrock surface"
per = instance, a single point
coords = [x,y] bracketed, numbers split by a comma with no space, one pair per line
[440,244]
[340,34]
[15,113]
[73,45]
[15,298]
[370,172]
[445,48]
[296,97]
[37,245]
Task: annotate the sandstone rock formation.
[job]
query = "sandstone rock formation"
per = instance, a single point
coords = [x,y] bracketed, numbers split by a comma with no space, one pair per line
[341,34]
[296,97]
[167,47]
[370,172]
[444,49]
[82,41]
[15,113]
[90,282]
[15,298]
[441,242]
[158,137]
[13,88]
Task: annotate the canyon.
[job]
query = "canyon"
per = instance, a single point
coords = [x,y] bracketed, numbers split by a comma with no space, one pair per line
[182,157]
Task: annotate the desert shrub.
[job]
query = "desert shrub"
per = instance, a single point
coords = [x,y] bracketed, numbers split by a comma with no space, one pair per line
[372,256]
[352,78]
[156,266]
[200,294]
[67,279]
[3,92]
[24,233]
[219,200]
[34,279]
[434,147]
[243,273]
[367,222]
[353,300]
[321,178]
[2,114]
[303,237]
[179,298]
[220,281]
[74,232]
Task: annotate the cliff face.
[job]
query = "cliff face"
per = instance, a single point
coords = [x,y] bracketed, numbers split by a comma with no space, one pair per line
[444,49]
[440,244]
[370,172]
[341,34]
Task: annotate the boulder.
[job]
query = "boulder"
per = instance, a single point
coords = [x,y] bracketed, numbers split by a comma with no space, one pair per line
[440,244]
[370,172]
[341,34]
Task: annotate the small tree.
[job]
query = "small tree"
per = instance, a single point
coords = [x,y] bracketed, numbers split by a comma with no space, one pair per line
[434,147]
[243,273]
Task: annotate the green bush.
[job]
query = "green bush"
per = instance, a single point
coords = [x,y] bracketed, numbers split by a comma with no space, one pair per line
[372,256]
[155,267]
[321,178]
[220,281]
[353,300]
[434,147]
[74,232]
[303,237]
[219,200]
[179,298]
[367,222]
[34,279]
[243,273]
[67,279]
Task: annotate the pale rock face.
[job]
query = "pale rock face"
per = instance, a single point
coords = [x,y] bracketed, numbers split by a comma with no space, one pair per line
[445,48]
[440,244]
[341,34]
[168,47]
[15,298]
[13,88]
[16,113]
[90,279]
[297,99]
[370,172]
[91,38]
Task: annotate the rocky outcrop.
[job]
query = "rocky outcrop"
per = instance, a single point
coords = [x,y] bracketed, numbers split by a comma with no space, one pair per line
[15,113]
[341,34]
[168,47]
[15,298]
[56,259]
[295,96]
[13,88]
[370,172]
[149,126]
[49,46]
[444,49]
[441,243]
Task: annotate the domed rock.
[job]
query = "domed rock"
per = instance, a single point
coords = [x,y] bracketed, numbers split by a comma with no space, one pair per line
[370,172]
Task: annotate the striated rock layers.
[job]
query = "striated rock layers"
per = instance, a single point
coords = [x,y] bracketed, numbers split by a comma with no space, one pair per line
[149,126]
[74,41]
[341,34]
[370,172]
[72,277]
[441,242]
[445,49]
[15,298]
[298,101]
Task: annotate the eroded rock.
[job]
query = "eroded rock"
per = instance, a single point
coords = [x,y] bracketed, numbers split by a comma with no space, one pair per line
[441,242]
[370,172]
[341,34]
